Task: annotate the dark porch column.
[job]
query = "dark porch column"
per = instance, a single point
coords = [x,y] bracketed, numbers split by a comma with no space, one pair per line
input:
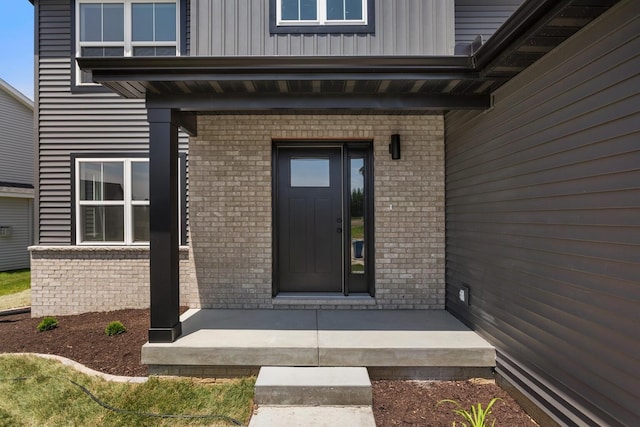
[163,201]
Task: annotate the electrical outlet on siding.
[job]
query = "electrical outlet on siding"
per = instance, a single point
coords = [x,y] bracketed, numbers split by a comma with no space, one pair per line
[463,295]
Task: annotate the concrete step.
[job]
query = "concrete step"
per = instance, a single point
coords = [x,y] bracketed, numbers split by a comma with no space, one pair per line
[313,416]
[314,386]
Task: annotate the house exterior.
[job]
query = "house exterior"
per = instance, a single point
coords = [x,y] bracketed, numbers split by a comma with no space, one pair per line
[16,178]
[264,154]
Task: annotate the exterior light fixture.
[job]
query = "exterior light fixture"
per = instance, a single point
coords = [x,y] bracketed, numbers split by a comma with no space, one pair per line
[394,146]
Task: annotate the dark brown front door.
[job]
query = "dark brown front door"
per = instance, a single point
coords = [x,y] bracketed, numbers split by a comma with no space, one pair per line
[308,220]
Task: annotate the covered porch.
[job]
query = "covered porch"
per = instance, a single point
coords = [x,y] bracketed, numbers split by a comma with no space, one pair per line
[178,91]
[428,344]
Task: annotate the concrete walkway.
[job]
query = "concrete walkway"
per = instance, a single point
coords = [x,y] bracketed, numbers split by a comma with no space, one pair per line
[371,338]
[17,300]
[313,416]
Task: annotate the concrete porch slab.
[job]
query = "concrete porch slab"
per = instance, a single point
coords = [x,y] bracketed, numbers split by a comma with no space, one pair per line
[399,338]
[240,338]
[369,338]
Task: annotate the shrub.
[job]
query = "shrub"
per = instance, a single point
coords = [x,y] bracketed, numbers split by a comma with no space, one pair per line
[115,328]
[47,324]
[477,416]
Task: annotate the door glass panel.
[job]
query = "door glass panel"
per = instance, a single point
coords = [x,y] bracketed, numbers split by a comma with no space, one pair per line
[356,211]
[310,172]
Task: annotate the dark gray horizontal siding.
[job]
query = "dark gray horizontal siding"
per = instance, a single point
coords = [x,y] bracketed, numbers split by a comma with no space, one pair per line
[17,141]
[474,18]
[74,123]
[402,27]
[543,223]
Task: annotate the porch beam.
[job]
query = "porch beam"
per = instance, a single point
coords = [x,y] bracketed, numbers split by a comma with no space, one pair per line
[163,218]
[267,102]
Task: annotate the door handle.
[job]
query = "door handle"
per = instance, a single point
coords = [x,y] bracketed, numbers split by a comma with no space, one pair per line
[339,230]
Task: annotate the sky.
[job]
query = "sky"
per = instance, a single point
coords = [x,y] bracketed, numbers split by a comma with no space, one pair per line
[16,38]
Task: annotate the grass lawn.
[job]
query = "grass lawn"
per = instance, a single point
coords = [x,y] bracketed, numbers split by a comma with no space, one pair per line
[357,228]
[12,282]
[45,398]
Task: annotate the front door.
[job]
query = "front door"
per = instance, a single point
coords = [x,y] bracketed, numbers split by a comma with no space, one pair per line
[309,219]
[323,218]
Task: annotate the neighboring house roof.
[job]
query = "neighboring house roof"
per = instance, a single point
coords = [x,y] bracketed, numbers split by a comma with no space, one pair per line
[17,95]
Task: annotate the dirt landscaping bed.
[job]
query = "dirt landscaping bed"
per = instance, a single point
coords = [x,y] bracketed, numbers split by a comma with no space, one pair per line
[396,403]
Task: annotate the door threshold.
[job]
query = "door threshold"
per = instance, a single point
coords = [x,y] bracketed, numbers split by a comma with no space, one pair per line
[322,298]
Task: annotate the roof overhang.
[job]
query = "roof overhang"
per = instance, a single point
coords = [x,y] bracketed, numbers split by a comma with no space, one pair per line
[267,83]
[362,83]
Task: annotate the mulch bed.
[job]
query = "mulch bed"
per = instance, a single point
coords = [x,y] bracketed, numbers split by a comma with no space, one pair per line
[82,338]
[415,403]
[396,403]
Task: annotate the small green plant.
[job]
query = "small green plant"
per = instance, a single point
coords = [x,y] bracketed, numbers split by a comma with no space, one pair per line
[477,416]
[115,328]
[47,324]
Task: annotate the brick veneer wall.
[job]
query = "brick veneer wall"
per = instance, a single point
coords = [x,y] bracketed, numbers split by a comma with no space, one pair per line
[230,205]
[77,279]
[230,262]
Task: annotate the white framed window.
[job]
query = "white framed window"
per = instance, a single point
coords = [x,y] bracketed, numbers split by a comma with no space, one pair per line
[126,28]
[321,12]
[112,201]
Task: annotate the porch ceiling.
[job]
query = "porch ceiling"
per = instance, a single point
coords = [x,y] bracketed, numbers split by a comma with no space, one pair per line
[434,84]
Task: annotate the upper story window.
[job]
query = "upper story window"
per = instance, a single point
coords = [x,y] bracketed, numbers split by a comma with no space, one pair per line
[322,16]
[126,28]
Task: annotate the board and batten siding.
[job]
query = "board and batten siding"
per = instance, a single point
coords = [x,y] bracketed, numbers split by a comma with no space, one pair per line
[17,213]
[73,122]
[481,18]
[543,224]
[402,27]
[17,141]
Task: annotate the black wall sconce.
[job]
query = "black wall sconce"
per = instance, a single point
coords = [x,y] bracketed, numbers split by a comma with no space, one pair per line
[394,146]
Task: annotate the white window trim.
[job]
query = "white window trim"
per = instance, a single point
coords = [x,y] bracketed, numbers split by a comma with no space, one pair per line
[128,44]
[127,201]
[128,225]
[321,13]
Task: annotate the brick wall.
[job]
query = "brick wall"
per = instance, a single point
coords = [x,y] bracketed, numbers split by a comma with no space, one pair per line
[230,204]
[230,261]
[77,279]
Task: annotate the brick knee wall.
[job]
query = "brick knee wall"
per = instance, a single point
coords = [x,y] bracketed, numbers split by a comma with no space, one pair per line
[77,279]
